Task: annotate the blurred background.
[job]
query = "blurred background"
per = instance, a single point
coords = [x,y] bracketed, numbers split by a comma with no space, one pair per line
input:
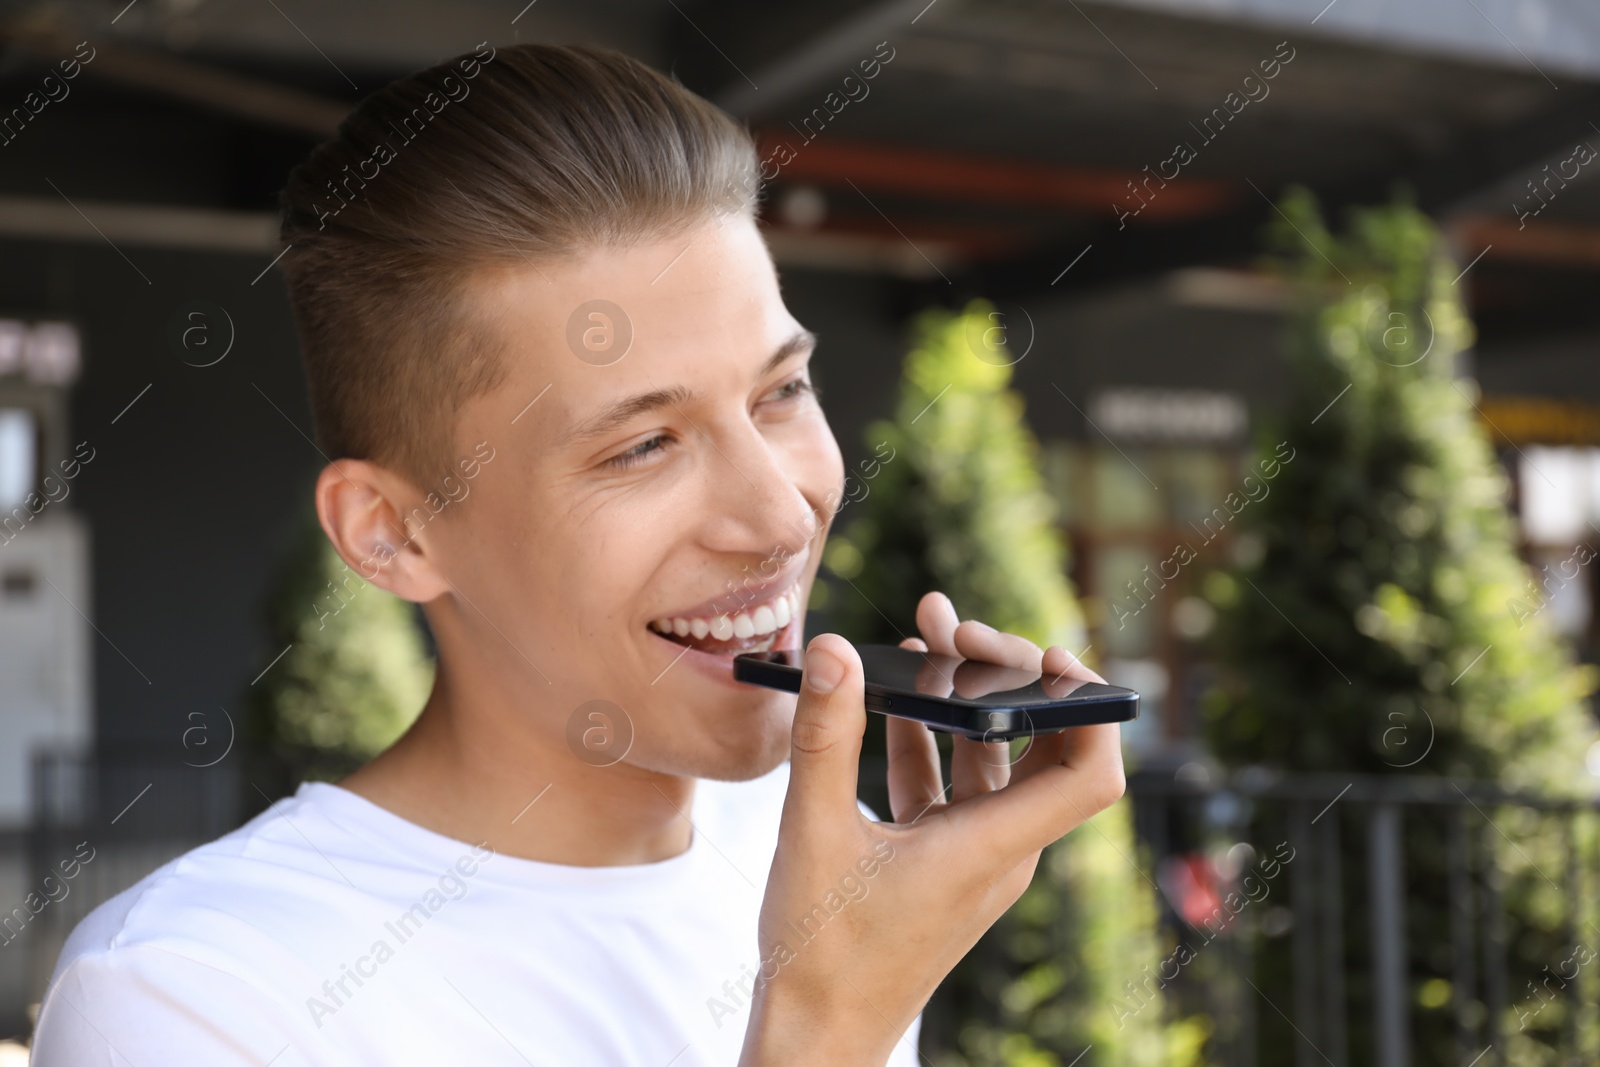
[1250,348]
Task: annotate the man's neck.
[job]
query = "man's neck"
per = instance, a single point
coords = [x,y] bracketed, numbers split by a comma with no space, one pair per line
[474,768]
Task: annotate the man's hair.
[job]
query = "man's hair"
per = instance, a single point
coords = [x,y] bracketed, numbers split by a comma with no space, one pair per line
[512,157]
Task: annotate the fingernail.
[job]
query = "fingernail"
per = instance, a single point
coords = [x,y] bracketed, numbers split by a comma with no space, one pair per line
[823,671]
[982,625]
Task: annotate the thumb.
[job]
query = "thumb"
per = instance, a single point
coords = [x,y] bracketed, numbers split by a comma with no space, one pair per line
[829,720]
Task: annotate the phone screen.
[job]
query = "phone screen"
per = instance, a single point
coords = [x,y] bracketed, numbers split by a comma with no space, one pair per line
[950,678]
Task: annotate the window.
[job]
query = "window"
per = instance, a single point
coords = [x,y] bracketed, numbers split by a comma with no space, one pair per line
[19,458]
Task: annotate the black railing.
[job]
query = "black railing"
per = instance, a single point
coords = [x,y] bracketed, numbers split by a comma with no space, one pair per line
[101,821]
[1390,933]
[133,792]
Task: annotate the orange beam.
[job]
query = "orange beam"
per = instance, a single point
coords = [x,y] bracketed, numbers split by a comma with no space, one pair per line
[952,176]
[975,241]
[1540,420]
[1538,242]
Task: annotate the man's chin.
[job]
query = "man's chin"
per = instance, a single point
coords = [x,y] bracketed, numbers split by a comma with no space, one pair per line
[745,770]
[758,750]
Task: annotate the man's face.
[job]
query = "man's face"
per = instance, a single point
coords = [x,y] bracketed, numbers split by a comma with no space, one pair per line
[684,487]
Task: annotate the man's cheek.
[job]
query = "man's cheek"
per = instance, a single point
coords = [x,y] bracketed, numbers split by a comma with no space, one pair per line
[819,467]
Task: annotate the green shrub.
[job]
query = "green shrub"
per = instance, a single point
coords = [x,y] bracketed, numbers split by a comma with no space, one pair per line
[354,676]
[1375,619]
[961,507]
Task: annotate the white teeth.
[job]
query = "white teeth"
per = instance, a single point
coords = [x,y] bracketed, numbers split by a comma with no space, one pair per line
[766,619]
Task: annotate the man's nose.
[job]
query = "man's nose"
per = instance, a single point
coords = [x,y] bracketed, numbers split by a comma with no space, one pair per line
[766,511]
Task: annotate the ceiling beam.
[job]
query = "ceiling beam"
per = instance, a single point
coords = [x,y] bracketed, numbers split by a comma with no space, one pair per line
[1441,184]
[962,177]
[827,53]
[193,83]
[1556,40]
[1551,243]
[144,225]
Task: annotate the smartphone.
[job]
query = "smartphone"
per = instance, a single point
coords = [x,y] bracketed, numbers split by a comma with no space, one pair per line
[983,701]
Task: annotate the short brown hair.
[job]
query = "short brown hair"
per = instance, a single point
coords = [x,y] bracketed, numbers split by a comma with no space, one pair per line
[528,153]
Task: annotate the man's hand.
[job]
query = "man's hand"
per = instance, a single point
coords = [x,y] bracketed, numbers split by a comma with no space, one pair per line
[863,920]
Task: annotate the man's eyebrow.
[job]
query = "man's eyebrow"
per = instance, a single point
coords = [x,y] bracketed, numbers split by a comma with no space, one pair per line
[804,339]
[623,411]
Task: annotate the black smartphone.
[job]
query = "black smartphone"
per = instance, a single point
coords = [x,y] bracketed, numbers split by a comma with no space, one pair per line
[983,701]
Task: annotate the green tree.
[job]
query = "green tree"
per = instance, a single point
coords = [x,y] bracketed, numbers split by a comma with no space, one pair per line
[355,674]
[1379,611]
[957,504]
[961,506]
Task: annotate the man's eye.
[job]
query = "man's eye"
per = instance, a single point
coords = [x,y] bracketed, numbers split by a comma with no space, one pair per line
[792,389]
[638,452]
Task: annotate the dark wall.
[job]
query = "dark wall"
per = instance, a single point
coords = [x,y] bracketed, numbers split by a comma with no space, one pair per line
[861,340]
[192,489]
[1135,336]
[1082,344]
[1564,367]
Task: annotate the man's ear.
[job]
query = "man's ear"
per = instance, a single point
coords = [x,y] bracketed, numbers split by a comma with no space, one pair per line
[360,505]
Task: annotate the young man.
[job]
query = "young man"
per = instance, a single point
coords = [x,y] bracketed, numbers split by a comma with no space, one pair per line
[573,420]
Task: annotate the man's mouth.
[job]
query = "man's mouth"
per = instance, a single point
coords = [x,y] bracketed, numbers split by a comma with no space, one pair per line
[753,628]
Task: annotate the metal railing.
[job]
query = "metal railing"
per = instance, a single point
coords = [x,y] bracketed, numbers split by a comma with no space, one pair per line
[1394,911]
[129,809]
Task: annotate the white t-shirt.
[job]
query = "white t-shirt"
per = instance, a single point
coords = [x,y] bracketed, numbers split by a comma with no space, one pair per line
[329,930]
